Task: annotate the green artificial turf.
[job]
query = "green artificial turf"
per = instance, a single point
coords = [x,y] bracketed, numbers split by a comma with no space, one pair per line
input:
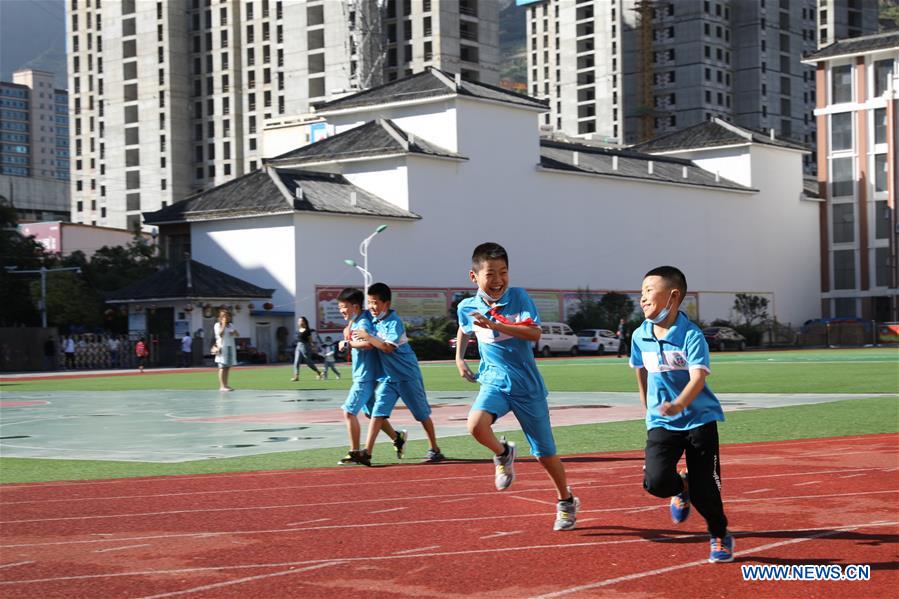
[842,418]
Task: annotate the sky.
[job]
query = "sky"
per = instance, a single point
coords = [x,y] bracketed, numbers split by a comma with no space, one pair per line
[33,34]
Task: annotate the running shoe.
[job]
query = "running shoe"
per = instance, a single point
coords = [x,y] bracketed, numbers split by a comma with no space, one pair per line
[399,444]
[433,456]
[566,513]
[505,465]
[721,550]
[680,503]
[356,457]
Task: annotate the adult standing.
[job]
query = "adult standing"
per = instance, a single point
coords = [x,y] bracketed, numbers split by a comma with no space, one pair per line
[68,349]
[187,350]
[621,333]
[114,346]
[226,358]
[303,350]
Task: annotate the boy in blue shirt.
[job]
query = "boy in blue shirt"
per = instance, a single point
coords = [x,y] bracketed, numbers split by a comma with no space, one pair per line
[401,375]
[506,323]
[671,358]
[366,370]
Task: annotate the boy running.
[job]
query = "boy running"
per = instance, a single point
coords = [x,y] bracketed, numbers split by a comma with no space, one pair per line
[366,370]
[506,323]
[671,358]
[402,376]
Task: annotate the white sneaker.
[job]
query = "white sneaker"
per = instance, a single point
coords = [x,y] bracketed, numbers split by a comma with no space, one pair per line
[505,466]
[566,513]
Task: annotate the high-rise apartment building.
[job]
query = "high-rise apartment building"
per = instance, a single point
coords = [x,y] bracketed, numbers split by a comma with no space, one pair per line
[628,70]
[858,175]
[843,19]
[34,146]
[169,97]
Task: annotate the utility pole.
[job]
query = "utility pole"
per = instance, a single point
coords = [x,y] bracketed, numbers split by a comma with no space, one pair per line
[43,272]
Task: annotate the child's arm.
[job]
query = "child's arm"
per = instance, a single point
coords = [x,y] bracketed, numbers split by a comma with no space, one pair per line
[375,342]
[528,332]
[642,377]
[461,346]
[686,397]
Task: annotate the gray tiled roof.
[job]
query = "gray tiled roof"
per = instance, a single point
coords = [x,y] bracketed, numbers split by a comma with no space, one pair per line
[374,138]
[206,282]
[857,45]
[710,134]
[630,165]
[257,194]
[430,83]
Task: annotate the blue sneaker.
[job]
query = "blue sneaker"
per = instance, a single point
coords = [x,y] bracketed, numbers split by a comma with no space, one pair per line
[721,550]
[680,503]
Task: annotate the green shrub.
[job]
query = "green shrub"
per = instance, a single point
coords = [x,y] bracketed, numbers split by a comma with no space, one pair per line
[430,348]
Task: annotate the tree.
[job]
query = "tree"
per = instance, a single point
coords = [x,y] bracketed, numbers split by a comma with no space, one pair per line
[590,314]
[751,307]
[23,253]
[616,306]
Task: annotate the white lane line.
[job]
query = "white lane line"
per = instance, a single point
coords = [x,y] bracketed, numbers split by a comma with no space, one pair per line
[572,472]
[582,520]
[5,489]
[541,501]
[120,548]
[456,500]
[371,558]
[416,549]
[307,522]
[805,484]
[15,564]
[850,476]
[756,491]
[644,509]
[392,509]
[638,575]
[502,534]
[412,522]
[218,585]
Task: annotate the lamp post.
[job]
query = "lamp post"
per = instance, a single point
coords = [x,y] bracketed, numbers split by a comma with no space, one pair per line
[363,250]
[43,272]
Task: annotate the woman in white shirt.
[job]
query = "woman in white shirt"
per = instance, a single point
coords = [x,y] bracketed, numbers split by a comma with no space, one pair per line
[225,335]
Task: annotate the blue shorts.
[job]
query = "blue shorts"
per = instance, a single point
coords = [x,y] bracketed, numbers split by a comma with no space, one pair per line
[412,393]
[532,413]
[361,397]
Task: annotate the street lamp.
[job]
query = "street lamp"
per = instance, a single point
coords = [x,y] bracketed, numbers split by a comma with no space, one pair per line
[363,250]
[43,272]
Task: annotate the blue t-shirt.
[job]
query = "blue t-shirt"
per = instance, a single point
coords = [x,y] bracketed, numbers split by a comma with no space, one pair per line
[669,362]
[366,362]
[401,364]
[507,362]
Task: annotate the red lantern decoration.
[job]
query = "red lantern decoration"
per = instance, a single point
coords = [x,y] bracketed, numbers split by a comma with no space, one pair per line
[268,305]
[238,307]
[189,308]
[251,306]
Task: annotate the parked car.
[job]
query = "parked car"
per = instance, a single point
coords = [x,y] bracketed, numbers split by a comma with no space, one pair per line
[722,338]
[471,351]
[596,340]
[556,338]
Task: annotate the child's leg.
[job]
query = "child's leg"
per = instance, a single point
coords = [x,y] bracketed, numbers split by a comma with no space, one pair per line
[385,399]
[704,472]
[663,451]
[297,360]
[556,471]
[388,429]
[416,399]
[480,425]
[428,425]
[374,427]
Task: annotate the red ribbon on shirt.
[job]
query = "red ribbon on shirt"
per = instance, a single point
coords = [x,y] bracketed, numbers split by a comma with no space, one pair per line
[494,312]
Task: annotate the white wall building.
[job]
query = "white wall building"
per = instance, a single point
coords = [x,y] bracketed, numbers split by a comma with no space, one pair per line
[449,164]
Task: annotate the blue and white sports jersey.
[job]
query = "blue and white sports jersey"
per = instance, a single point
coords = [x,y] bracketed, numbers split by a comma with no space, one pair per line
[400,365]
[507,362]
[669,362]
[366,362]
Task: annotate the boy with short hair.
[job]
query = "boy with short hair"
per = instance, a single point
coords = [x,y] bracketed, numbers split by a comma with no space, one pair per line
[402,376]
[366,370]
[671,358]
[507,325]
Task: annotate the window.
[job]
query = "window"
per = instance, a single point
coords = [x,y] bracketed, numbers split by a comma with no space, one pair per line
[316,87]
[882,267]
[132,180]
[129,70]
[129,49]
[880,126]
[880,172]
[883,70]
[841,177]
[881,220]
[841,84]
[131,136]
[844,269]
[841,131]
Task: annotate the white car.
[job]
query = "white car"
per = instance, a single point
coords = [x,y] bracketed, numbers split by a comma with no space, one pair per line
[556,338]
[599,341]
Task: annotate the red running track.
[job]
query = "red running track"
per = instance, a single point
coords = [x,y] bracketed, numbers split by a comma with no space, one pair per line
[441,531]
